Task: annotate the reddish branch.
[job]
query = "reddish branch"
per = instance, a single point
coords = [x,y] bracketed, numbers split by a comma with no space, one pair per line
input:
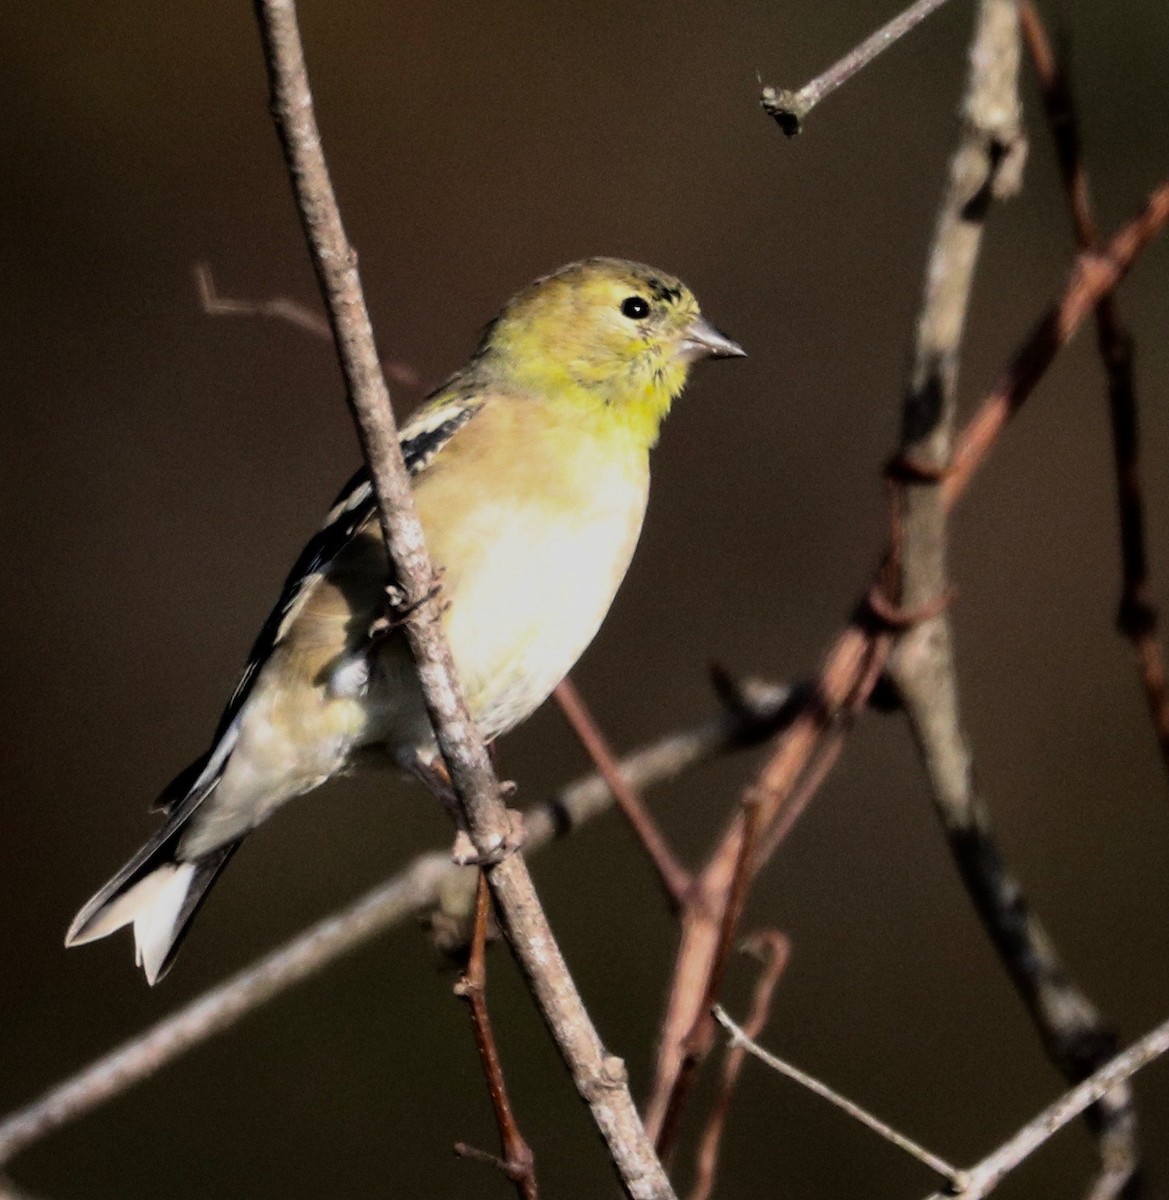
[1094,275]
[852,665]
[518,1163]
[841,686]
[773,950]
[1137,615]
[673,876]
[698,1042]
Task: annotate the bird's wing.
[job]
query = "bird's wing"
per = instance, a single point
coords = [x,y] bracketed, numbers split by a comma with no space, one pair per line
[421,439]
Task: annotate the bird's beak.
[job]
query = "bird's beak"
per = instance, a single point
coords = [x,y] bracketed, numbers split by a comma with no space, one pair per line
[702,340]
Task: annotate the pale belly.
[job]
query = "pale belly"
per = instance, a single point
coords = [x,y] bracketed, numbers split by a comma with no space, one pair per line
[529,600]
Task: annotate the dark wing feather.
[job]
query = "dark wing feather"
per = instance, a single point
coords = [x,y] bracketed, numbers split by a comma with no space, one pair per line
[353,507]
[421,441]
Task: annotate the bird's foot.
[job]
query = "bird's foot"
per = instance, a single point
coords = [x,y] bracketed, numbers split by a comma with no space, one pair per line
[399,608]
[467,854]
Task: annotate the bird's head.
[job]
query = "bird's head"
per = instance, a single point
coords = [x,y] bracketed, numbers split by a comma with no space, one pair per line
[614,338]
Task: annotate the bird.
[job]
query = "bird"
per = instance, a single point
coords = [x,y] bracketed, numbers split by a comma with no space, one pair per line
[530,474]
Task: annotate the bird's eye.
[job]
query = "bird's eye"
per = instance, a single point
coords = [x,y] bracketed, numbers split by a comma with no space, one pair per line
[635,307]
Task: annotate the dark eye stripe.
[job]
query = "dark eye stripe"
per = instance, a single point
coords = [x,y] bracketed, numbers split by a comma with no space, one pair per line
[663,292]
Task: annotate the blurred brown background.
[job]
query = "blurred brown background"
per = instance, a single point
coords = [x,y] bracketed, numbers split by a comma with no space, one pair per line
[161,469]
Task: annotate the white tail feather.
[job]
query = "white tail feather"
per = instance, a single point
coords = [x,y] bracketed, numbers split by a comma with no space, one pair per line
[152,905]
[154,921]
[117,912]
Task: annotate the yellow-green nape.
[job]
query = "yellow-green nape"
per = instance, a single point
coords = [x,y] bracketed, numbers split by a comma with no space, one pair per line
[607,336]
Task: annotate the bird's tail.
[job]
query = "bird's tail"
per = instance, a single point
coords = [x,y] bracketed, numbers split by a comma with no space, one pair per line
[157,892]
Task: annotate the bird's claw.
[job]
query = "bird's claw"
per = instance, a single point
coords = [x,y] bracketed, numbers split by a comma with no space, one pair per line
[465,853]
[399,608]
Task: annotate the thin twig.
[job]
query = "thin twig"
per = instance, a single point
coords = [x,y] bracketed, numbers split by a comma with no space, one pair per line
[282,308]
[847,672]
[599,1077]
[1137,616]
[416,889]
[723,885]
[518,1162]
[773,949]
[674,878]
[825,758]
[978,1181]
[854,660]
[278,308]
[982,1179]
[698,1042]
[1093,275]
[790,108]
[739,1038]
[923,665]
[858,651]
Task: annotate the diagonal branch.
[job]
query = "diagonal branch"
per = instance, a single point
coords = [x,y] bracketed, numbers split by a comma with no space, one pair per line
[1137,617]
[979,1181]
[923,665]
[699,1041]
[772,949]
[518,1163]
[854,662]
[742,1040]
[599,1077]
[790,108]
[675,879]
[843,685]
[1093,276]
[982,1179]
[414,890]
[281,308]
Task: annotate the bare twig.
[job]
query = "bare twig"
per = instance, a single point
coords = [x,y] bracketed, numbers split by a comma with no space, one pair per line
[923,665]
[854,661]
[414,890]
[984,166]
[773,949]
[790,108]
[741,1039]
[518,1163]
[698,1042]
[799,763]
[824,759]
[982,1179]
[1137,616]
[978,1181]
[282,308]
[1093,275]
[599,1077]
[279,308]
[847,673]
[674,878]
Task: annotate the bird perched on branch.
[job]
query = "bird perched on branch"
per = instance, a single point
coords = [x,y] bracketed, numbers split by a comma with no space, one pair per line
[530,473]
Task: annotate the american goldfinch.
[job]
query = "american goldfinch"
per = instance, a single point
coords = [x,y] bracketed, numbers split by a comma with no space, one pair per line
[530,469]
